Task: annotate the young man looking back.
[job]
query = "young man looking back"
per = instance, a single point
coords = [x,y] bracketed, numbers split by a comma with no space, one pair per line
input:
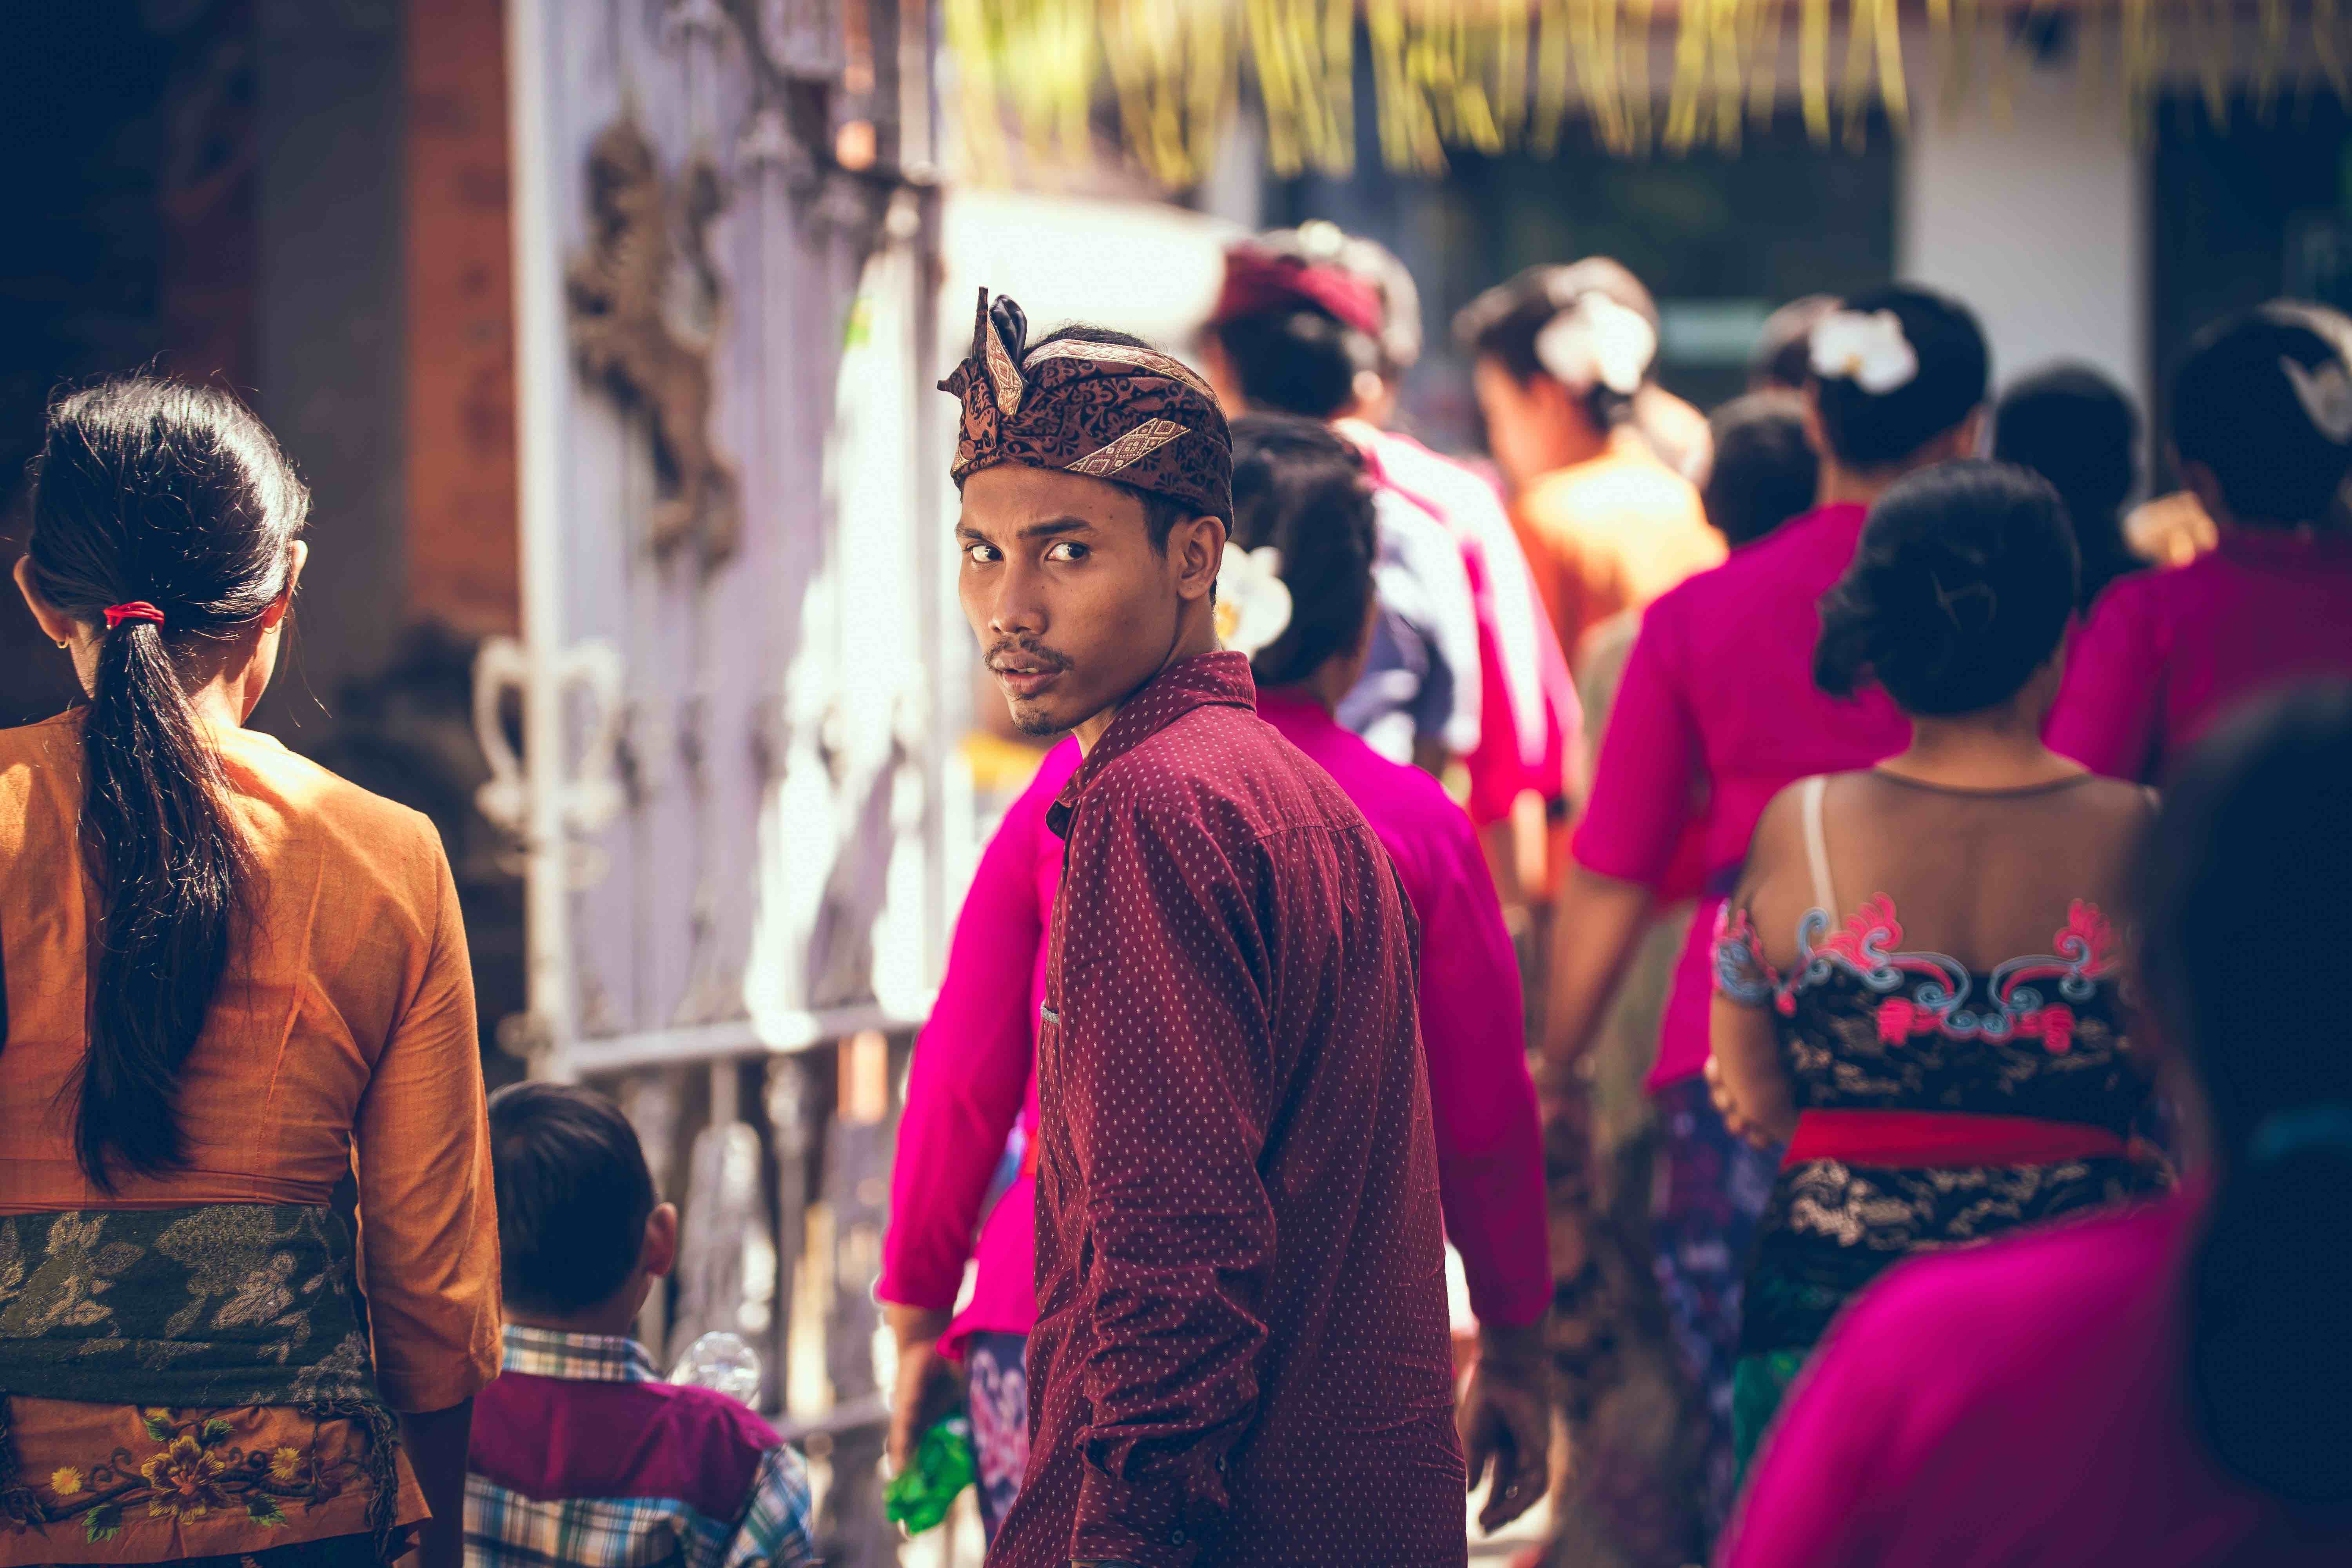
[1241,1345]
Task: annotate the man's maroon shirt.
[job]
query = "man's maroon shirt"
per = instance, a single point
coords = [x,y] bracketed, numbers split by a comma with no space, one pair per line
[1241,1352]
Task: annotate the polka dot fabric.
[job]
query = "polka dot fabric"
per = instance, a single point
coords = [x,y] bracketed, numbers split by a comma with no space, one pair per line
[1241,1355]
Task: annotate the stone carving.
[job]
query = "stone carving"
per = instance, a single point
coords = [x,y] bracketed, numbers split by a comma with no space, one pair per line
[624,293]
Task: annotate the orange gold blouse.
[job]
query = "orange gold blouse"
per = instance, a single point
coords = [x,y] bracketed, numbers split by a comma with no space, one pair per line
[342,1039]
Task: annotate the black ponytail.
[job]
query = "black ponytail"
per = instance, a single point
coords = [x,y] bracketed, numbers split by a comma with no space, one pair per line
[1301,488]
[175,496]
[2241,885]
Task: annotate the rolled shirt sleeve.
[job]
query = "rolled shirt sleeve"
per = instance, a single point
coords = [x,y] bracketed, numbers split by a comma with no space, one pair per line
[971,1067]
[428,1208]
[1650,753]
[1162,1033]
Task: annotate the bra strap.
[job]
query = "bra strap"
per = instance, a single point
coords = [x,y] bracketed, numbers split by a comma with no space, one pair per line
[1817,849]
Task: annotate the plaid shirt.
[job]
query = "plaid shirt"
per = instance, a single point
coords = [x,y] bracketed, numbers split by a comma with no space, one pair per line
[568,1468]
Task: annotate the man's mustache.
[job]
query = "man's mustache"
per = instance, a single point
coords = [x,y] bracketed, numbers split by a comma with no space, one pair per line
[1029,656]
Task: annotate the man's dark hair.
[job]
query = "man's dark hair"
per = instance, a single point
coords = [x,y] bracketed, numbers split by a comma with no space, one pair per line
[1765,471]
[1300,488]
[573,1195]
[2235,409]
[2078,430]
[1870,430]
[1160,513]
[1783,356]
[1296,360]
[1504,323]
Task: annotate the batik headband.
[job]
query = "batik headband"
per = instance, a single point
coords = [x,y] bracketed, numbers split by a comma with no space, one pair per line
[1106,410]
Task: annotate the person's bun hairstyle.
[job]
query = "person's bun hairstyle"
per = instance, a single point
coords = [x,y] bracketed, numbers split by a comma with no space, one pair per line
[1894,369]
[1960,588]
[2263,400]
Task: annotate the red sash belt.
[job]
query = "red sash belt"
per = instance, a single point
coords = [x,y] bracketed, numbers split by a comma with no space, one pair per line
[1029,1157]
[1902,1139]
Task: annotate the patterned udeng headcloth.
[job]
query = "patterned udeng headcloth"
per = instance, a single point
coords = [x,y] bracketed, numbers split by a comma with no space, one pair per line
[1102,409]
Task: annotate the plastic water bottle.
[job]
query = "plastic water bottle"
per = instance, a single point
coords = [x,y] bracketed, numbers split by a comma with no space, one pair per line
[721,1360]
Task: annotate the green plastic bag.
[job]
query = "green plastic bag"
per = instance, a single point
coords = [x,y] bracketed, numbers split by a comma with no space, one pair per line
[919,1496]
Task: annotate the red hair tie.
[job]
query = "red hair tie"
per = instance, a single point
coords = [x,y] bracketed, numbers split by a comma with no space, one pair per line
[136,610]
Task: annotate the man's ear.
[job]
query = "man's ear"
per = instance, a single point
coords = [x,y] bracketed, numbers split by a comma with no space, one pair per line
[1196,551]
[659,1254]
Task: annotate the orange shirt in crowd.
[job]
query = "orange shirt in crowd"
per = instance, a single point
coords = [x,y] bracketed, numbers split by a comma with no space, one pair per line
[341,1041]
[1610,533]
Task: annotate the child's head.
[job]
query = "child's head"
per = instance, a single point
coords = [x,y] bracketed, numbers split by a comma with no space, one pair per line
[581,1234]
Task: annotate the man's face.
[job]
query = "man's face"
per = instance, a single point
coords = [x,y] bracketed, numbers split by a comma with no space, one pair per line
[1073,607]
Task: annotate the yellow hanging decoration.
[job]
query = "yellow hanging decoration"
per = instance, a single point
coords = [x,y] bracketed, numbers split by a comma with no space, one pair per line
[1555,74]
[2270,60]
[1691,40]
[1635,70]
[1761,55]
[1813,66]
[1409,140]
[1305,54]
[2326,20]
[1029,76]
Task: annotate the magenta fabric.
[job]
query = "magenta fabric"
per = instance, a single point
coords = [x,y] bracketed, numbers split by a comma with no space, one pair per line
[971,1083]
[556,1437]
[1473,1027]
[1241,1345]
[1717,713]
[2008,1407]
[1531,721]
[2167,653]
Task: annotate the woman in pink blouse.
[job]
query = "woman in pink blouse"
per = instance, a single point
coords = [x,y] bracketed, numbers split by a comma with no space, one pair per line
[1715,714]
[1300,491]
[2262,424]
[2171,1385]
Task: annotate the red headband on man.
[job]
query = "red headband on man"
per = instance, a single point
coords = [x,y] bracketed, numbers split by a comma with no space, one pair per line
[136,610]
[1258,279]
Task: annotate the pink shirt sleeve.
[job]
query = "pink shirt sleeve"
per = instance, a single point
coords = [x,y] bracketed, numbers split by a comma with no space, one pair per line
[1473,1030]
[1649,755]
[970,1068]
[2105,717]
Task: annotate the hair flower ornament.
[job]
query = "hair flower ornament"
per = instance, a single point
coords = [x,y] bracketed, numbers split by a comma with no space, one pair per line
[2326,392]
[1869,351]
[1253,601]
[1595,341]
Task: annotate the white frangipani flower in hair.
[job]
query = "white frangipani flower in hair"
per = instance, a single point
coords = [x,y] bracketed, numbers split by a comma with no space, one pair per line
[1869,351]
[1598,341]
[1253,601]
[2326,392]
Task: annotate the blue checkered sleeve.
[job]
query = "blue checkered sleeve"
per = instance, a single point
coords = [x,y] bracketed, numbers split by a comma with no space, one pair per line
[776,1528]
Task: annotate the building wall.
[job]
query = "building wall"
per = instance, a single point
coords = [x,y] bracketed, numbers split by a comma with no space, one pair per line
[2037,218]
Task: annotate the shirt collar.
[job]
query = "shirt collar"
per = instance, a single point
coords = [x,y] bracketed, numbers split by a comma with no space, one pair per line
[1207,680]
[581,1357]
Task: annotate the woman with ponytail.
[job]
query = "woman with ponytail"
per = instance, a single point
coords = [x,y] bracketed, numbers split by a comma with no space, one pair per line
[231,978]
[2169,1386]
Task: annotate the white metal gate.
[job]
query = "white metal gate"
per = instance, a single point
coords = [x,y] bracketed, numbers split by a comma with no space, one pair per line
[726,783]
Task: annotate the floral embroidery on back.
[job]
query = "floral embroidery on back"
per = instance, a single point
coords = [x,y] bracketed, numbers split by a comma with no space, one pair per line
[1925,991]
